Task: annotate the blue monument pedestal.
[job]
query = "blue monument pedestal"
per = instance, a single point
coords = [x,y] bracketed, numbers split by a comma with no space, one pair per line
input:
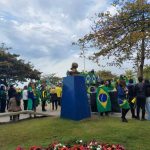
[74,104]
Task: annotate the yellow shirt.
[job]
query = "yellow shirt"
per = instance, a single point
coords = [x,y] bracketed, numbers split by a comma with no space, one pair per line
[52,91]
[58,91]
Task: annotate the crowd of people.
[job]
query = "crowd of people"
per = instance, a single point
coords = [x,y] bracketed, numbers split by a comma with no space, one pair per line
[11,98]
[133,96]
[138,96]
[129,96]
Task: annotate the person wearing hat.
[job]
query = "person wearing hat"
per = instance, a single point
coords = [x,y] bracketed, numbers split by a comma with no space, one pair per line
[74,69]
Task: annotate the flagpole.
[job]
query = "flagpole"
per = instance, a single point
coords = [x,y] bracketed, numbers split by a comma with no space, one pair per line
[84,62]
[83,52]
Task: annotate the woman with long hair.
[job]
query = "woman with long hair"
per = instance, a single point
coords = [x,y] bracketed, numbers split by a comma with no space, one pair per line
[122,99]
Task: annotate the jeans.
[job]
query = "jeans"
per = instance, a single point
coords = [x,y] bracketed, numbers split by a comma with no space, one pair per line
[141,105]
[147,106]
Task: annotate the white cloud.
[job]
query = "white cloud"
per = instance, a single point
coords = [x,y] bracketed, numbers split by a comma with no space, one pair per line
[84,25]
[42,31]
[112,10]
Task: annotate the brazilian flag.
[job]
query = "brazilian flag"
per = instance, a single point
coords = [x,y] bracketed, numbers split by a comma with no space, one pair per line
[103,99]
[88,79]
[123,103]
[91,89]
[93,78]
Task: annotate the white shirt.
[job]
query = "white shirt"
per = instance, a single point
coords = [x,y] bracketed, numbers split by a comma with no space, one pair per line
[25,94]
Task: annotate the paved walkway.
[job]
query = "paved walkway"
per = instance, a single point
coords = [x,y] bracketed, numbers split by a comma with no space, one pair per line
[39,109]
[54,113]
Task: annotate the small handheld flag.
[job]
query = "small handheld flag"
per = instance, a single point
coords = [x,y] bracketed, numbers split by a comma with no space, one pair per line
[134,100]
[123,103]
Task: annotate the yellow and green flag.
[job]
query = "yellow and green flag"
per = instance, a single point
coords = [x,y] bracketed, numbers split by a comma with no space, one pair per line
[91,89]
[123,103]
[103,99]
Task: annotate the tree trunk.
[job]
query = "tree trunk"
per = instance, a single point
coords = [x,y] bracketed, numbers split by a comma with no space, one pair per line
[142,58]
[143,44]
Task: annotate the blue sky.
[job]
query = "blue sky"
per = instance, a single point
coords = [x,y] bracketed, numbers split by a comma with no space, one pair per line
[42,31]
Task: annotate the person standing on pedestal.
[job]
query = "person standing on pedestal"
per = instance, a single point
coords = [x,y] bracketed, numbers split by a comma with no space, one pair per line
[73,69]
[74,104]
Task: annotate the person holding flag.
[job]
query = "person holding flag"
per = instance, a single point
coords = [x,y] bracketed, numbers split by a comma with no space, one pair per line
[131,97]
[92,95]
[122,100]
[44,97]
[103,99]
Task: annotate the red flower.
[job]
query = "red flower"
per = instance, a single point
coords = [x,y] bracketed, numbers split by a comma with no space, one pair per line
[19,148]
[64,148]
[92,144]
[35,148]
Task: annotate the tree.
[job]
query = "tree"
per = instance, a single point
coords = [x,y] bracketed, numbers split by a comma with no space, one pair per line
[13,69]
[129,74]
[51,79]
[106,75]
[124,36]
[147,72]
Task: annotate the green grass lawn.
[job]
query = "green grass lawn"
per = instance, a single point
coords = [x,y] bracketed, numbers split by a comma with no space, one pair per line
[134,135]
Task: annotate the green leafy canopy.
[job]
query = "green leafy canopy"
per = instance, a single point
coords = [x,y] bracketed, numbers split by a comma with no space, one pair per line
[13,69]
[124,36]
